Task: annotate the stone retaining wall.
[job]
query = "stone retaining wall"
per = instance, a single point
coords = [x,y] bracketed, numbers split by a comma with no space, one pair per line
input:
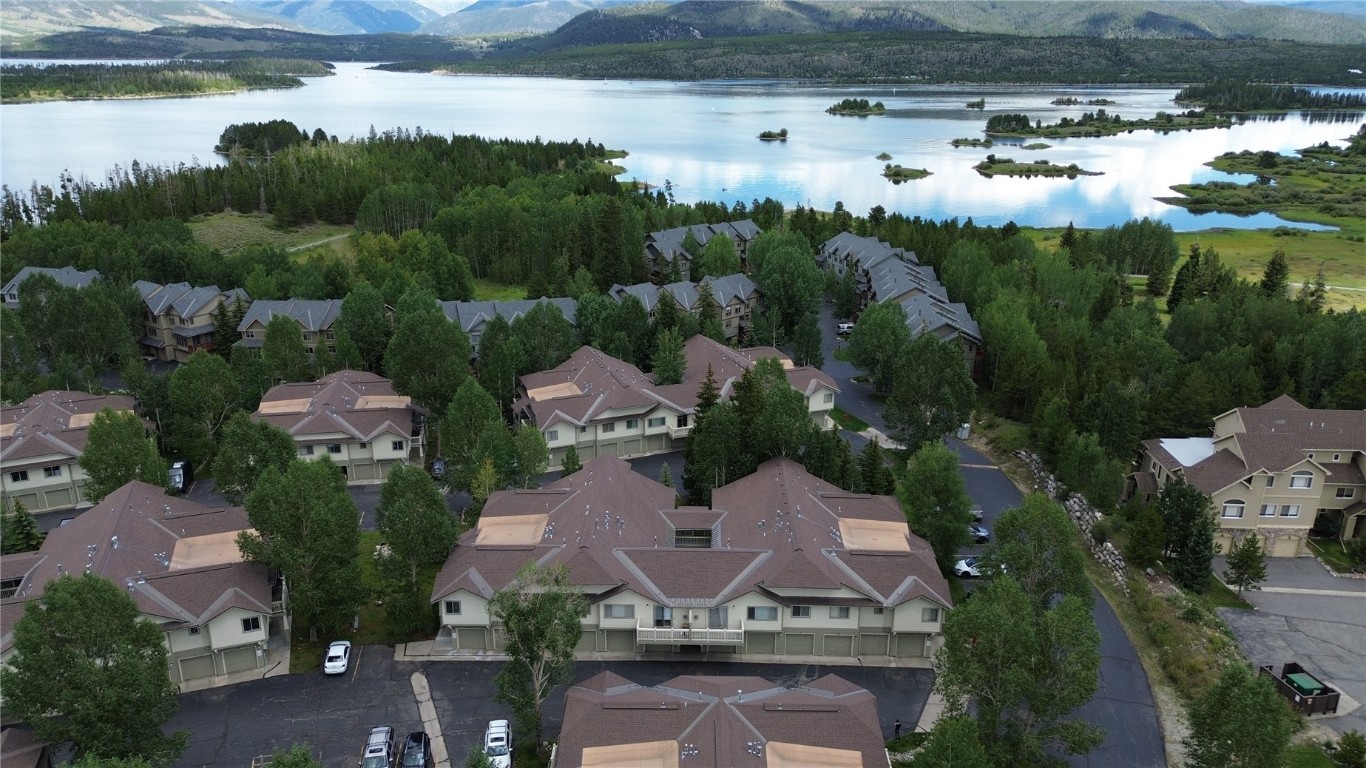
[1083,515]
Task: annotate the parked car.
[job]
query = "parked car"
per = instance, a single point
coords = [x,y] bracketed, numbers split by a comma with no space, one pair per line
[845,329]
[976,513]
[180,477]
[498,744]
[438,468]
[968,568]
[417,751]
[337,658]
[979,534]
[379,748]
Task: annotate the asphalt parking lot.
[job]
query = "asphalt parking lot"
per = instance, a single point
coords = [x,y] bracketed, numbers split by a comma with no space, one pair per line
[230,726]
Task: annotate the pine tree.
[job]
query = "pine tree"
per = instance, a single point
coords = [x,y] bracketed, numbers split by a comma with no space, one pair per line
[1313,296]
[20,532]
[1246,568]
[668,362]
[571,461]
[807,342]
[707,394]
[666,476]
[1276,276]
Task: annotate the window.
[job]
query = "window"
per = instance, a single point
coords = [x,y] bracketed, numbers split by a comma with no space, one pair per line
[194,631]
[252,624]
[692,538]
[632,423]
[1302,479]
[552,435]
[1337,457]
[1268,510]
[718,618]
[682,420]
[331,336]
[1233,508]
[1346,493]
[877,611]
[306,450]
[608,428]
[10,587]
[1153,466]
[829,398]
[451,607]
[655,421]
[334,447]
[929,615]
[762,613]
[309,349]
[331,349]
[1290,510]
[664,617]
[582,430]
[801,611]
[249,334]
[308,336]
[839,611]
[618,611]
[52,471]
[1270,481]
[19,477]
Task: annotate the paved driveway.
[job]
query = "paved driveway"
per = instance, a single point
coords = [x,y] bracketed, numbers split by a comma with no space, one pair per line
[1304,614]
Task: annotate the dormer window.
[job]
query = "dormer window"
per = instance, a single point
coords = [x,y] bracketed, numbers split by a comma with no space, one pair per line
[1233,508]
[692,538]
[1302,479]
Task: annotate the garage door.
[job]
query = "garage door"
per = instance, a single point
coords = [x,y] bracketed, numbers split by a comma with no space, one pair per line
[196,667]
[240,659]
[630,448]
[1224,542]
[621,640]
[872,645]
[839,645]
[471,639]
[60,497]
[1286,546]
[30,502]
[654,443]
[760,642]
[801,645]
[910,645]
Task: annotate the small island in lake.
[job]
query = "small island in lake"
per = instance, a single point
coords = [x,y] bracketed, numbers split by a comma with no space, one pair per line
[884,156]
[1101,123]
[896,174]
[1073,101]
[1004,166]
[1233,96]
[780,135]
[972,142]
[1036,145]
[858,107]
[977,104]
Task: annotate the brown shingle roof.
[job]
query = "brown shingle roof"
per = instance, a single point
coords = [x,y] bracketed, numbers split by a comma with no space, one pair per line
[130,538]
[355,403]
[721,721]
[52,422]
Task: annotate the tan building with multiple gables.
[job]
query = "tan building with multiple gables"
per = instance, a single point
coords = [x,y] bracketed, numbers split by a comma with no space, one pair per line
[665,247]
[1273,470]
[41,442]
[782,563]
[736,298]
[180,317]
[179,562]
[607,407]
[352,417]
[314,316]
[705,721]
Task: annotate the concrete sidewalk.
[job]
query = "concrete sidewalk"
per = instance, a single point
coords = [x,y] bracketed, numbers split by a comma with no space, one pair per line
[426,650]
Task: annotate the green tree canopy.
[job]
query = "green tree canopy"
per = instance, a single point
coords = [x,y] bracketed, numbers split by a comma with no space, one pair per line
[785,269]
[283,351]
[118,451]
[471,411]
[806,342]
[249,447]
[953,743]
[1036,544]
[531,453]
[936,502]
[541,613]
[19,531]
[668,363]
[500,358]
[1246,564]
[719,258]
[204,393]
[428,358]
[82,650]
[362,317]
[877,340]
[420,531]
[305,526]
[1240,721]
[931,392]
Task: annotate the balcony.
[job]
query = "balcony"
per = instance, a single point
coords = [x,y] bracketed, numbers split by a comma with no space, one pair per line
[677,432]
[688,636]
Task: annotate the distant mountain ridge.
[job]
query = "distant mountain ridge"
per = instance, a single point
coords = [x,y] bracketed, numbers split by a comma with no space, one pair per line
[348,17]
[1114,19]
[513,17]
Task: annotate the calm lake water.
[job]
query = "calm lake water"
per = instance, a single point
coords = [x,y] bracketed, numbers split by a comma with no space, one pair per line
[701,138]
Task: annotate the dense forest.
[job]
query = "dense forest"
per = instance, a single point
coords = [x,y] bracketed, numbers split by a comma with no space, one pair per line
[264,138]
[19,83]
[232,43]
[1102,123]
[931,57]
[1241,96]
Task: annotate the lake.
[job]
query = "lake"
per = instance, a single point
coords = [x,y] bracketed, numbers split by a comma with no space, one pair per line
[701,139]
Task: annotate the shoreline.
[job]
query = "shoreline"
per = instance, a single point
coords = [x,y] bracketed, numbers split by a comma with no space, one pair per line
[136,97]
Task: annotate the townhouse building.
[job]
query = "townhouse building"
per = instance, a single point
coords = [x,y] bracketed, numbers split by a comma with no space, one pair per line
[1273,471]
[69,277]
[179,562]
[736,298]
[604,406]
[665,248]
[314,316]
[474,316]
[354,418]
[887,274]
[781,564]
[180,318]
[721,721]
[41,442]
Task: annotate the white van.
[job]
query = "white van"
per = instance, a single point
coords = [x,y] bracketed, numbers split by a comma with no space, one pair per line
[498,744]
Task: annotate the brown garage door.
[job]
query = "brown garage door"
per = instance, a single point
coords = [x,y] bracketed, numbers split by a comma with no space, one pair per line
[240,659]
[631,447]
[801,645]
[839,645]
[196,667]
[471,639]
[910,645]
[760,642]
[872,645]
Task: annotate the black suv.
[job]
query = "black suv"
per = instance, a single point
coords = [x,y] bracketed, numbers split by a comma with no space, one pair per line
[416,752]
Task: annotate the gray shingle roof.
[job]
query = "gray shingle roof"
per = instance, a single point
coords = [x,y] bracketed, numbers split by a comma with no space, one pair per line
[472,315]
[67,276]
[182,299]
[311,314]
[667,244]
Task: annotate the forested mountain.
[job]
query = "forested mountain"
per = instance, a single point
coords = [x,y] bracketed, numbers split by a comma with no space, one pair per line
[513,17]
[1121,19]
[229,43]
[348,17]
[27,19]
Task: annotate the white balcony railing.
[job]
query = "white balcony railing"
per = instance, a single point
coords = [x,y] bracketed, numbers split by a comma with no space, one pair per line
[689,636]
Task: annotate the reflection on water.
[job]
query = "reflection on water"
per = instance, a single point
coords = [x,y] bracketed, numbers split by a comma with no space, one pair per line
[701,137]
